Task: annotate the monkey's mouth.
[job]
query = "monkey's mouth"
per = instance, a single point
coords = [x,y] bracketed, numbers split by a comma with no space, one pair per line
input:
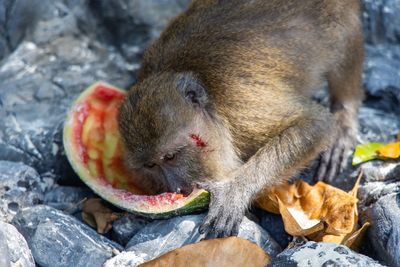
[185,191]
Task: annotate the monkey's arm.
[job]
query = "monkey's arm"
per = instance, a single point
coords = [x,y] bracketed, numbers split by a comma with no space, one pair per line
[274,163]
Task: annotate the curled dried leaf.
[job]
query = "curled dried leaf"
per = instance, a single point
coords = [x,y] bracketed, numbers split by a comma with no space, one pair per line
[354,240]
[231,251]
[98,215]
[297,223]
[339,211]
[320,212]
[286,192]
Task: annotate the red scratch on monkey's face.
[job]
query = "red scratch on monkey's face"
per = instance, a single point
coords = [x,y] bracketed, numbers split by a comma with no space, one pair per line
[199,142]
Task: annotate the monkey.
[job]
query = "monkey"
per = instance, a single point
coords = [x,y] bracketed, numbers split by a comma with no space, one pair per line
[223,100]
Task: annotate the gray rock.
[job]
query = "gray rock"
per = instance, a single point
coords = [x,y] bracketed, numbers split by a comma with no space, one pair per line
[371,192]
[273,224]
[314,254]
[20,186]
[4,253]
[126,259]
[57,239]
[15,19]
[163,236]
[377,125]
[378,170]
[381,20]
[384,232]
[14,250]
[126,227]
[45,73]
[67,198]
[147,18]
[381,71]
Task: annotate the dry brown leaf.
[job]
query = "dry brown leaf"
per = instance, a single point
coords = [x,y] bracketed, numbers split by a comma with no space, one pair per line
[320,212]
[297,223]
[269,202]
[99,216]
[354,240]
[339,211]
[231,251]
[89,219]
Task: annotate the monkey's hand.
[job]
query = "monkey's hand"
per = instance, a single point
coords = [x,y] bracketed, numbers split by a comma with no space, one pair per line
[334,160]
[226,210]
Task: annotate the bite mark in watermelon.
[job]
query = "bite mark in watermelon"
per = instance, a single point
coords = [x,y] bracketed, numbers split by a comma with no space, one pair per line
[94,149]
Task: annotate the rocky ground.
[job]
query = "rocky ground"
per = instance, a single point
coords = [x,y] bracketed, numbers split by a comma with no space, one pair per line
[50,50]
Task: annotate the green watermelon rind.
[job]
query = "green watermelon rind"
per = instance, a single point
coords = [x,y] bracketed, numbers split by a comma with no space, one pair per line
[197,201]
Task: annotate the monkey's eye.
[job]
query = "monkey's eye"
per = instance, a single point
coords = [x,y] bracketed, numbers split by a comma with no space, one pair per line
[169,156]
[149,165]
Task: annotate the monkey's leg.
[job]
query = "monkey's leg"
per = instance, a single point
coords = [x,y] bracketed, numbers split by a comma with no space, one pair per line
[281,157]
[345,88]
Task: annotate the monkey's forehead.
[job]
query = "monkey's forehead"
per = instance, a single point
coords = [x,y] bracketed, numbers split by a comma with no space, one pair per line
[153,117]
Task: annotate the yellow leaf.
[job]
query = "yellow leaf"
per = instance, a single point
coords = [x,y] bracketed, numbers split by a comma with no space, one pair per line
[231,251]
[389,151]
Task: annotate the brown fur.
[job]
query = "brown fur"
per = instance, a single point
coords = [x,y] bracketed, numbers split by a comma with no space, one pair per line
[258,62]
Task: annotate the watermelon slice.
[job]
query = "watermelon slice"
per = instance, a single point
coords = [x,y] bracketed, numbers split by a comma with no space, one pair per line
[94,149]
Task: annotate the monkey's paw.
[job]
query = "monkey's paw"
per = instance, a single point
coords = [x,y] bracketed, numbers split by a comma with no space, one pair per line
[226,210]
[334,160]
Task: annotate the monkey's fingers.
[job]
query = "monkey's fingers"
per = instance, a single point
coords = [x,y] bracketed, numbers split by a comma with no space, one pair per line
[207,222]
[224,215]
[323,165]
[347,155]
[223,226]
[335,163]
[220,228]
[209,226]
[225,223]
[232,226]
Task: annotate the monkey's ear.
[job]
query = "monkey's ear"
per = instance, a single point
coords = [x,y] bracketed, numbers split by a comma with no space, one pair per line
[192,89]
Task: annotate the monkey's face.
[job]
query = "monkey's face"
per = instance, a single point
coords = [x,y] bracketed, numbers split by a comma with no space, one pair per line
[164,128]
